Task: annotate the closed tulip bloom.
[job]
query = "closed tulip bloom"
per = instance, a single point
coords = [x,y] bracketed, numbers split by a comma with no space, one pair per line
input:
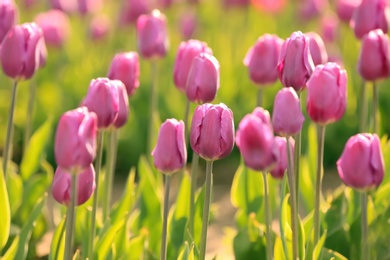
[282,163]
[374,59]
[188,24]
[8,17]
[62,185]
[203,79]
[99,27]
[102,98]
[262,59]
[327,94]
[123,99]
[132,9]
[89,6]
[370,15]
[75,141]
[170,153]
[152,35]
[255,139]
[212,131]
[317,48]
[125,67]
[312,8]
[185,55]
[330,27]
[361,164]
[20,51]
[55,25]
[295,64]
[287,117]
[346,8]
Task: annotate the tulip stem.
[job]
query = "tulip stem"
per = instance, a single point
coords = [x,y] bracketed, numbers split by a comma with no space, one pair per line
[186,115]
[163,255]
[363,111]
[110,172]
[30,109]
[375,107]
[206,209]
[98,165]
[320,173]
[297,155]
[365,246]
[7,148]
[152,108]
[194,173]
[281,225]
[70,217]
[267,217]
[293,204]
[260,93]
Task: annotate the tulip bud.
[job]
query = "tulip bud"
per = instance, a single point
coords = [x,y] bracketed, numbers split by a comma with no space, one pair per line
[102,98]
[55,26]
[361,165]
[152,35]
[287,117]
[123,99]
[317,48]
[125,67]
[262,59]
[132,9]
[212,131]
[89,6]
[281,165]
[256,141]
[295,64]
[67,6]
[312,8]
[20,51]
[346,8]
[99,27]
[330,28]
[370,15]
[170,153]
[374,59]
[185,55]
[75,141]
[8,17]
[327,94]
[188,23]
[62,185]
[203,79]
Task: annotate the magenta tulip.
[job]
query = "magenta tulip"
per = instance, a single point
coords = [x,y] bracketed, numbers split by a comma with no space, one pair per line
[55,25]
[317,48]
[8,17]
[89,6]
[282,163]
[132,10]
[99,27]
[310,9]
[188,24]
[123,99]
[346,8]
[330,27]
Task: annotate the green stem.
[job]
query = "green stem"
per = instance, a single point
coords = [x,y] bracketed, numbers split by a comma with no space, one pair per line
[7,148]
[320,170]
[163,255]
[297,155]
[70,217]
[98,165]
[260,93]
[365,246]
[267,218]
[110,172]
[30,109]
[152,109]
[364,108]
[293,204]
[375,108]
[206,209]
[186,115]
[194,173]
[281,225]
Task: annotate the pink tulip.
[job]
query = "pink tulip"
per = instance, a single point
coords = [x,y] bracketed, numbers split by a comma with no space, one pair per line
[281,166]
[212,131]
[67,6]
[123,99]
[361,165]
[102,98]
[170,153]
[62,185]
[8,17]
[203,79]
[188,24]
[312,8]
[255,139]
[152,35]
[89,6]
[374,58]
[75,141]
[55,25]
[21,49]
[317,48]
[262,59]
[236,3]
[185,55]
[99,27]
[295,64]
[272,6]
[330,27]
[125,67]
[132,9]
[287,117]
[346,8]
[327,94]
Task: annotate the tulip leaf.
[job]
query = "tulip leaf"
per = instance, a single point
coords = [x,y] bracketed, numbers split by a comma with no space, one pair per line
[15,191]
[105,243]
[57,246]
[137,247]
[318,248]
[187,252]
[35,150]
[5,210]
[11,251]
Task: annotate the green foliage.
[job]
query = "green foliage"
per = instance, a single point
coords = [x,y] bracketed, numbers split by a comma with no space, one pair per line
[5,222]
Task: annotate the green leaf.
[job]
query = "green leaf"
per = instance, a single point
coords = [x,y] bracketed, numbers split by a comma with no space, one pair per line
[105,243]
[246,248]
[15,191]
[5,222]
[11,252]
[35,150]
[318,248]
[281,224]
[186,253]
[57,246]
[330,254]
[306,184]
[136,247]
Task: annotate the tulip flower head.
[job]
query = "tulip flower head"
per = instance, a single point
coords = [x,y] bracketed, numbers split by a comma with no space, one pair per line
[75,141]
[152,35]
[327,94]
[317,48]
[132,10]
[203,79]
[295,63]
[55,25]
[212,131]
[123,99]
[89,6]
[62,185]
[262,59]
[255,139]
[125,67]
[346,8]
[374,59]
[170,153]
[186,53]
[281,166]
[99,27]
[330,28]
[312,8]
[8,17]
[361,165]
[188,24]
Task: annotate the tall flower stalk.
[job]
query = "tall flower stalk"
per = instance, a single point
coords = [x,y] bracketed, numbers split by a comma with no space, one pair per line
[152,106]
[206,209]
[267,217]
[70,219]
[163,255]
